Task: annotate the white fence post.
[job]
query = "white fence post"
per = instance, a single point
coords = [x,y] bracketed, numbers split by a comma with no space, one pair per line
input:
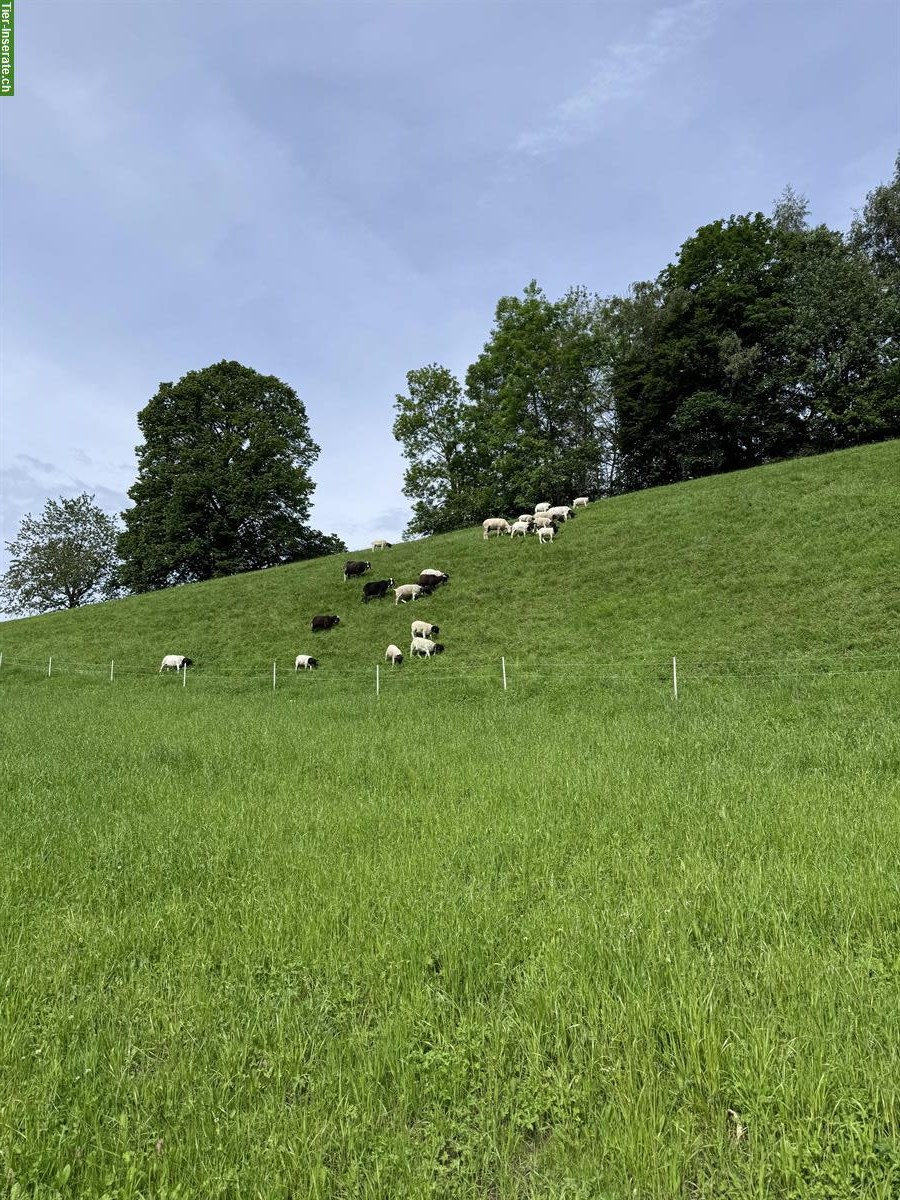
[1,658]
[503,667]
[50,666]
[273,675]
[184,681]
[377,681]
[112,664]
[675,677]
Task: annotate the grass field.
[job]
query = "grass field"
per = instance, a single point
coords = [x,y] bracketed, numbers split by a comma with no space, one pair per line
[573,940]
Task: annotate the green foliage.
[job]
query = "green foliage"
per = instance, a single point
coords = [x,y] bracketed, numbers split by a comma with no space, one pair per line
[64,558]
[223,480]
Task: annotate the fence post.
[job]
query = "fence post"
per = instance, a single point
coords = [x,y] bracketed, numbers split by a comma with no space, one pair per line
[675,677]
[273,675]
[377,681]
[1,658]
[112,663]
[50,666]
[503,668]
[184,681]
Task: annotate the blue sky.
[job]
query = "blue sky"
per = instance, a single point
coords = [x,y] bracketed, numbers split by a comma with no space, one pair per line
[336,193]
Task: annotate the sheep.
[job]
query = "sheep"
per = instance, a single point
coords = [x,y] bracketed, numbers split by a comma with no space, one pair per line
[393,655]
[306,662]
[522,527]
[352,569]
[432,578]
[409,591]
[562,510]
[542,507]
[324,621]
[424,647]
[381,544]
[496,525]
[424,629]
[580,502]
[525,517]
[377,589]
[542,521]
[175,662]
[546,534]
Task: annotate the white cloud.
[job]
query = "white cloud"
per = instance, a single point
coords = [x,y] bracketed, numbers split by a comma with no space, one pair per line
[621,76]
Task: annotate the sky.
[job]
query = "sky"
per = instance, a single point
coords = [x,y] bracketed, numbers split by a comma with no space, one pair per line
[337,193]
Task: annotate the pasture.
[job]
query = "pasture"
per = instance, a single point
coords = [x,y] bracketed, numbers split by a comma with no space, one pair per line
[576,940]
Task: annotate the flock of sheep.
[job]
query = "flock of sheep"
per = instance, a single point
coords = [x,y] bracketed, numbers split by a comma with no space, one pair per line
[544,522]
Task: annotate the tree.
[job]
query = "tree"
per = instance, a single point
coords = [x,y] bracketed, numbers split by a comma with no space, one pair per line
[63,559]
[223,480]
[431,425]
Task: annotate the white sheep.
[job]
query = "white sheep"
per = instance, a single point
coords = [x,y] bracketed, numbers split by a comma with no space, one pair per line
[393,655]
[175,662]
[561,510]
[381,544]
[424,647]
[496,525]
[542,507]
[407,591]
[542,521]
[424,629]
[305,662]
[546,534]
[522,527]
[580,502]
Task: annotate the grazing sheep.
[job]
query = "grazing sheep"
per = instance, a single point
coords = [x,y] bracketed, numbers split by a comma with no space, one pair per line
[376,590]
[561,510]
[432,578]
[424,629]
[175,662]
[496,525]
[542,508]
[352,569]
[522,527]
[424,647]
[381,544]
[393,655]
[580,502]
[525,517]
[305,662]
[324,621]
[409,591]
[546,534]
[542,521]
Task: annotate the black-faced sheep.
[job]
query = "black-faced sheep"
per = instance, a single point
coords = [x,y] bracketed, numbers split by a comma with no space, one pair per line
[424,647]
[175,662]
[324,621]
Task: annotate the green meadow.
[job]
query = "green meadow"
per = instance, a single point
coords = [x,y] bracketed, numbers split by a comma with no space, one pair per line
[575,939]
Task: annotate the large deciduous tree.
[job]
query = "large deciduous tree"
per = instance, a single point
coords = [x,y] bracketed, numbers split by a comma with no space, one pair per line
[223,480]
[62,559]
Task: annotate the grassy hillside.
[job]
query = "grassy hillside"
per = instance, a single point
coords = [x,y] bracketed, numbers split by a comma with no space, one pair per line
[460,944]
[797,557]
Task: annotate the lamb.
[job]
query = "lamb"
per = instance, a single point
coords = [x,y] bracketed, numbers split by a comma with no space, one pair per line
[175,662]
[580,502]
[424,629]
[381,544]
[393,655]
[496,525]
[542,507]
[306,662]
[425,648]
[409,591]
[377,589]
[562,511]
[546,534]
[522,527]
[542,521]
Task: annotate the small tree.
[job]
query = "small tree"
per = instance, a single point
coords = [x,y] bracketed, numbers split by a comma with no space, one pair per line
[63,559]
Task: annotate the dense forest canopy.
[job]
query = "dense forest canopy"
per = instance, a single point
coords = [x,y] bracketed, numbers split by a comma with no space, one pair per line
[765,338]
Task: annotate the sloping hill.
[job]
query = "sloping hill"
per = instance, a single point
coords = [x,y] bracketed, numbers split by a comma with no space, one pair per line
[797,557]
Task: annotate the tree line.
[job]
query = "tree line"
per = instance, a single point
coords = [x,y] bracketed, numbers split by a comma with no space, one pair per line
[765,339]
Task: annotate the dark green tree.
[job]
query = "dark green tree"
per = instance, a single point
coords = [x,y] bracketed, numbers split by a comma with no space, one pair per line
[223,480]
[62,559]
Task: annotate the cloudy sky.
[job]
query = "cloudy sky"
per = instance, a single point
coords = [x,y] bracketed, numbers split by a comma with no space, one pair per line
[337,192]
